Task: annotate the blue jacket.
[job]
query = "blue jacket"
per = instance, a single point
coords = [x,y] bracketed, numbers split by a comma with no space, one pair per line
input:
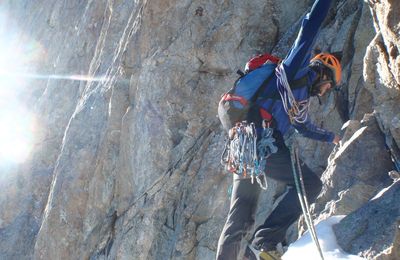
[296,66]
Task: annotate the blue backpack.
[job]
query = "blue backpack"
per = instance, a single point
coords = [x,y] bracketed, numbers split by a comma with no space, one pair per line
[235,104]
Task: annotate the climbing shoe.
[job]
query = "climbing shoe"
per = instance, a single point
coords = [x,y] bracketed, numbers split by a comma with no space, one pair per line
[255,254]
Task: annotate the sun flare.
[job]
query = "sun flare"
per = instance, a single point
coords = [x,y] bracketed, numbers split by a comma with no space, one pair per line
[16,56]
[15,136]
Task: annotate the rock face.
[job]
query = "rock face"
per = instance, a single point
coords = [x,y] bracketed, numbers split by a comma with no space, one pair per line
[125,161]
[353,174]
[378,227]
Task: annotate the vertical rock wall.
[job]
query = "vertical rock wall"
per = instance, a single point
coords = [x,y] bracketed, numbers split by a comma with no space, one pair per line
[126,166]
[376,139]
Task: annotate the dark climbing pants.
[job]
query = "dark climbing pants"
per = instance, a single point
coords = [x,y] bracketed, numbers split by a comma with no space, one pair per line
[244,201]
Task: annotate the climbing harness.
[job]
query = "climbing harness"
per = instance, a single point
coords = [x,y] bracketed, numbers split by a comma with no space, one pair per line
[296,110]
[244,156]
[301,192]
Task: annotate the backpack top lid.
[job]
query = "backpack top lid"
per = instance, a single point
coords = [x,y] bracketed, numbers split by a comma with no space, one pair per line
[259,60]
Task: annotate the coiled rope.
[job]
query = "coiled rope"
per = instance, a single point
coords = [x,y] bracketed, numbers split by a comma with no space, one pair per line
[296,110]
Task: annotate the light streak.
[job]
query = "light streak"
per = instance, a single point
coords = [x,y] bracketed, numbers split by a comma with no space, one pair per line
[53,77]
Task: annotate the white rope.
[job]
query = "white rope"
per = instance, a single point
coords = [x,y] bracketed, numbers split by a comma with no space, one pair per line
[262,181]
[297,111]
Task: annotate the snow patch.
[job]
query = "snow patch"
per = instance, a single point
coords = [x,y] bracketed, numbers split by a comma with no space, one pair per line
[306,248]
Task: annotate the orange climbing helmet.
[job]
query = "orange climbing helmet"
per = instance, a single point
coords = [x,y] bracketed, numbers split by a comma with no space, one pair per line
[332,63]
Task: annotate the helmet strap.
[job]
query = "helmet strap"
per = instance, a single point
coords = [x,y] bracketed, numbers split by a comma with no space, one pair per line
[319,100]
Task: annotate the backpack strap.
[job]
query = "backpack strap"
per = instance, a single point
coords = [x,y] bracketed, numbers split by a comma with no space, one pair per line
[240,73]
[298,83]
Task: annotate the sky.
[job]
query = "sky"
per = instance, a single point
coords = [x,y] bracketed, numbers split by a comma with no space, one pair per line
[306,247]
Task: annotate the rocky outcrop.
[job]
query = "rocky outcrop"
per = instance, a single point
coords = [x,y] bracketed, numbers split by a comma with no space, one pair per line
[357,170]
[126,159]
[354,173]
[377,231]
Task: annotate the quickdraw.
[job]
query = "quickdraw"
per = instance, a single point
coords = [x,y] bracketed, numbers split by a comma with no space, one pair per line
[244,155]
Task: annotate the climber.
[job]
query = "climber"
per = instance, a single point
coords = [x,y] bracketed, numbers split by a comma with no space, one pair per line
[323,73]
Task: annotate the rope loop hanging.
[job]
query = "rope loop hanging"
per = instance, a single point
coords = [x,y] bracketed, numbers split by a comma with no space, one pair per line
[296,110]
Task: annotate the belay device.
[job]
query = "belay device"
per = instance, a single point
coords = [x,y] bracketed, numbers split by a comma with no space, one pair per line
[244,156]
